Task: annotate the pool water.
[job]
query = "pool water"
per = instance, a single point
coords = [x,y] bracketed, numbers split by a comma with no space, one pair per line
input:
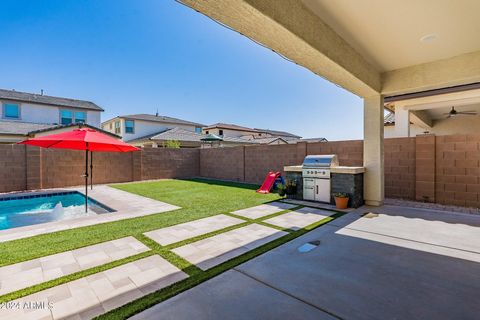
[18,211]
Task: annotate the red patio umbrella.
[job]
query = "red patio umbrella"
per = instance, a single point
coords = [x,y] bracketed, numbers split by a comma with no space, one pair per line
[82,139]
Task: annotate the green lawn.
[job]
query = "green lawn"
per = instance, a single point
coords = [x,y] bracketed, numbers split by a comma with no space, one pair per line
[198,199]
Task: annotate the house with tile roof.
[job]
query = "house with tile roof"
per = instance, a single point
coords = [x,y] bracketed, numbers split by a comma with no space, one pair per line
[139,128]
[22,114]
[262,136]
[189,139]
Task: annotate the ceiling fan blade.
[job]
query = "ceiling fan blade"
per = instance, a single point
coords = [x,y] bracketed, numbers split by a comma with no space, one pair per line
[467,112]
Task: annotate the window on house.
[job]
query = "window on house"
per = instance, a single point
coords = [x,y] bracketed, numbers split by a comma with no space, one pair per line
[111,125]
[129,126]
[66,117]
[80,117]
[206,132]
[117,127]
[11,110]
[220,132]
[198,130]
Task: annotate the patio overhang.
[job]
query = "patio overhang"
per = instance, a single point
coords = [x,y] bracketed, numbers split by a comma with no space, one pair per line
[367,48]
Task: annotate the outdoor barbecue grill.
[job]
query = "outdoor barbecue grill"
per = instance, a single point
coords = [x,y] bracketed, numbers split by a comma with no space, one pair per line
[316,177]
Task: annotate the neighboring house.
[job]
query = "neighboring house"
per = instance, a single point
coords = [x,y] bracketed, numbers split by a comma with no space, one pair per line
[232,130]
[287,136]
[23,113]
[262,136]
[139,128]
[188,139]
[309,140]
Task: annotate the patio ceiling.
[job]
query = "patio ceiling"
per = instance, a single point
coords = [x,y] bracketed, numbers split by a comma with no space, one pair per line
[388,33]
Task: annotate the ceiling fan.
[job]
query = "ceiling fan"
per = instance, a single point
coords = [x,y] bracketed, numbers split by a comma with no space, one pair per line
[453,113]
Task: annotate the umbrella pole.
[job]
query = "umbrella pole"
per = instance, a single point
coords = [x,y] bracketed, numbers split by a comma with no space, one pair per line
[86,179]
[91,170]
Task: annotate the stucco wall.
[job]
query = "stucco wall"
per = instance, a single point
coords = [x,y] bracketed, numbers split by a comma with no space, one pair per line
[38,113]
[233,133]
[143,128]
[452,126]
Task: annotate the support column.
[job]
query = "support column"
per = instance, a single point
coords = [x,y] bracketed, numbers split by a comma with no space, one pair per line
[373,150]
[402,122]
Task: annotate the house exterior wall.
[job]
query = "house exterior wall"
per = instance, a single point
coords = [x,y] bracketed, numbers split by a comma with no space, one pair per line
[143,128]
[234,133]
[452,126]
[39,113]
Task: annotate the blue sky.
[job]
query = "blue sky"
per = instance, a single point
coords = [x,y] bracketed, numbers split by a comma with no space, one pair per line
[140,56]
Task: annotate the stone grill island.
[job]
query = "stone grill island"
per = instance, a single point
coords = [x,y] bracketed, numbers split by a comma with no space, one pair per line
[348,180]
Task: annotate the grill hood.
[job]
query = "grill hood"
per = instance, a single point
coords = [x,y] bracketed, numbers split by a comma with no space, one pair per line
[320,161]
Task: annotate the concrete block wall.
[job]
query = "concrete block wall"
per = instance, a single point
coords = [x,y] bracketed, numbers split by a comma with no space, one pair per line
[159,163]
[29,168]
[442,169]
[259,160]
[457,170]
[425,168]
[223,163]
[400,168]
[62,168]
[350,153]
[12,168]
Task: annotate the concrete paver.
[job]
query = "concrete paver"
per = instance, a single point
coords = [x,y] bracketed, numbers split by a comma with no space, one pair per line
[93,295]
[212,251]
[28,273]
[183,231]
[299,219]
[263,210]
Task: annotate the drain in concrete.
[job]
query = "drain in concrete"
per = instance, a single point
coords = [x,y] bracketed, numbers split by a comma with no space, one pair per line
[309,246]
[369,215]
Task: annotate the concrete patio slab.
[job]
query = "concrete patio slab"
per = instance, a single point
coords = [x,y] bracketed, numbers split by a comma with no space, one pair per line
[215,250]
[369,277]
[299,219]
[233,296]
[91,296]
[187,230]
[29,273]
[126,205]
[264,210]
[456,236]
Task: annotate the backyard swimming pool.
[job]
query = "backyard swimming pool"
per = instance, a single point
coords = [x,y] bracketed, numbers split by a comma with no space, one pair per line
[35,208]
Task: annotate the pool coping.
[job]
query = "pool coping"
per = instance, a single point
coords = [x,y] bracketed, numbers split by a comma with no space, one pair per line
[125,205]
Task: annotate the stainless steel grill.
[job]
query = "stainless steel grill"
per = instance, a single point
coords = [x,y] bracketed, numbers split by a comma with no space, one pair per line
[316,176]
